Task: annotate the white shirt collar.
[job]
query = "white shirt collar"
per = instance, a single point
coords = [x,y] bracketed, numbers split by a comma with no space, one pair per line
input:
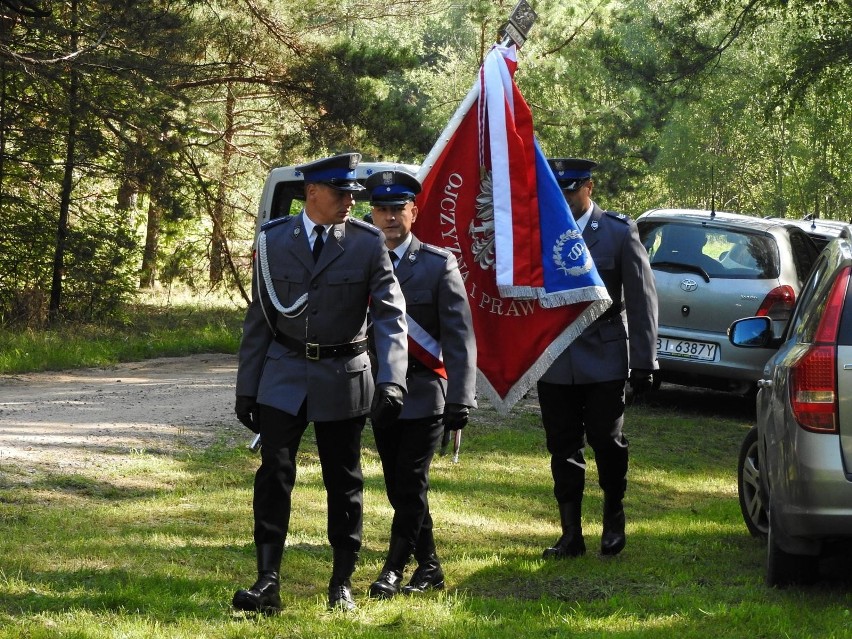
[309,228]
[584,218]
[400,250]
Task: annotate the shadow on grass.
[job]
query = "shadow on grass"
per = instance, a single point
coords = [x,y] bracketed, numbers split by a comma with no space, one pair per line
[166,597]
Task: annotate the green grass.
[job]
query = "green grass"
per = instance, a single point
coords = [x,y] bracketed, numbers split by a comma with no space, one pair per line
[156,547]
[153,327]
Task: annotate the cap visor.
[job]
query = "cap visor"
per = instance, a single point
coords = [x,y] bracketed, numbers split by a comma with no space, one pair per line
[397,202]
[573,185]
[345,186]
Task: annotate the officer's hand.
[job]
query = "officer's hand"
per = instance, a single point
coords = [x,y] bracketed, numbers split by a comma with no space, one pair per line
[246,410]
[641,381]
[455,416]
[387,405]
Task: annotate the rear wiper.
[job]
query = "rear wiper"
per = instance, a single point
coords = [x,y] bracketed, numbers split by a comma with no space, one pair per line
[693,268]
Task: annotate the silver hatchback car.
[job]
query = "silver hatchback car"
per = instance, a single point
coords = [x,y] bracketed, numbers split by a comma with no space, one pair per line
[795,465]
[710,269]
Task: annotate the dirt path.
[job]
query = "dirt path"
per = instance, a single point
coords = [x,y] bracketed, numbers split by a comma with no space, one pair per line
[87,417]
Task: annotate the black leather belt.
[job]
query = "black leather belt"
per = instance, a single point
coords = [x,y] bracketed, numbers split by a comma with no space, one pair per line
[321,351]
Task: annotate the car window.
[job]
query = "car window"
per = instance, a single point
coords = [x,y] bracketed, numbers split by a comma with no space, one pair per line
[806,317]
[820,241]
[287,199]
[804,253]
[721,252]
[844,337]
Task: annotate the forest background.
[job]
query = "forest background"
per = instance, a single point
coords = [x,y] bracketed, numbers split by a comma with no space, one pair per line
[135,135]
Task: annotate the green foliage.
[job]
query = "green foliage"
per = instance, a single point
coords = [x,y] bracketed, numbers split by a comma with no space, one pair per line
[101,268]
[350,107]
[134,332]
[177,110]
[722,102]
[583,105]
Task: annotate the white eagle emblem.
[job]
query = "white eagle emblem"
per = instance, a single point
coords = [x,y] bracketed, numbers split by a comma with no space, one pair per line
[482,228]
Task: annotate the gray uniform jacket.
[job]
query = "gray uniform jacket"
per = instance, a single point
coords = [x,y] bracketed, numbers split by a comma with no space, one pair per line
[602,352]
[436,299]
[353,273]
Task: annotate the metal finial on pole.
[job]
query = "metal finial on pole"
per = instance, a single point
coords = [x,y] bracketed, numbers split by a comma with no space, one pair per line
[516,29]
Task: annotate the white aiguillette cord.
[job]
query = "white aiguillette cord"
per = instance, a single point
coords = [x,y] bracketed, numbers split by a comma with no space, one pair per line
[290,311]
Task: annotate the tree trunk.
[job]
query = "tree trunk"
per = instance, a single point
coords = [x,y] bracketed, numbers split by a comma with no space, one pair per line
[218,243]
[128,188]
[148,276]
[2,130]
[67,183]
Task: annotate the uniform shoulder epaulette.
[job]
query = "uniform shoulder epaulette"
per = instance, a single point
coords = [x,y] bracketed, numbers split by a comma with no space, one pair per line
[275,222]
[362,224]
[437,250]
[621,217]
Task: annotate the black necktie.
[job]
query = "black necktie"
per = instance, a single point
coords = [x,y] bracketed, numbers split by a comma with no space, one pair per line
[393,257]
[318,242]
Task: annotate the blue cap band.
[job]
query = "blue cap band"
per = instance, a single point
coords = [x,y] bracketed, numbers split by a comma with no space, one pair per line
[329,174]
[390,190]
[574,174]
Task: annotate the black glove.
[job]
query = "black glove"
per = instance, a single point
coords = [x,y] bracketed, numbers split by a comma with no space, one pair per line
[455,416]
[641,381]
[246,410]
[387,405]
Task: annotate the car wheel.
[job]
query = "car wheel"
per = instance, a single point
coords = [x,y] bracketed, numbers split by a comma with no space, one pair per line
[785,569]
[752,503]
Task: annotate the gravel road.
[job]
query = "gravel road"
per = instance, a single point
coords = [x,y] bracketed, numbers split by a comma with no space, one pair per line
[90,416]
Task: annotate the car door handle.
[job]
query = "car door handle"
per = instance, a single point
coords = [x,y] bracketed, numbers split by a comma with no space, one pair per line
[764,383]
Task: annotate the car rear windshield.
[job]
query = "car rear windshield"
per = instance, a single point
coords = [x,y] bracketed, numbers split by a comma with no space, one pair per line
[720,252]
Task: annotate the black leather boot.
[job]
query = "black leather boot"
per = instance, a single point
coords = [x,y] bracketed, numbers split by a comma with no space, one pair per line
[613,538]
[429,575]
[571,543]
[340,586]
[263,596]
[389,580]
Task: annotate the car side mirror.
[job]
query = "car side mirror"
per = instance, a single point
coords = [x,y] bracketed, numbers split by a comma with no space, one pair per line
[752,332]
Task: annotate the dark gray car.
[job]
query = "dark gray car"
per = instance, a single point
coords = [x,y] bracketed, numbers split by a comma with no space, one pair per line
[794,478]
[710,269]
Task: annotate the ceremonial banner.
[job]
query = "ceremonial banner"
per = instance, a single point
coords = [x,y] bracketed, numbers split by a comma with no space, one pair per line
[490,198]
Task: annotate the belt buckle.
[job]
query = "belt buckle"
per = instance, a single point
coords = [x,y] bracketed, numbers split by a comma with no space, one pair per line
[312,351]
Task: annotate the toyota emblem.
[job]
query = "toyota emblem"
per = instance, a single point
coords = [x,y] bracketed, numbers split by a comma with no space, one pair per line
[688,285]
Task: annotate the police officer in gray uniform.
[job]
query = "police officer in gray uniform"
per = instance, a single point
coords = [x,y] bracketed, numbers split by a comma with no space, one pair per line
[582,394]
[303,358]
[441,381]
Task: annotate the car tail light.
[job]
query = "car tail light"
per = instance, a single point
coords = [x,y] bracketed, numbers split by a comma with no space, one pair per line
[813,378]
[778,303]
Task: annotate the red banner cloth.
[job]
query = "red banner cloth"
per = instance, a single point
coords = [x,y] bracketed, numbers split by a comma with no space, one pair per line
[517,339]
